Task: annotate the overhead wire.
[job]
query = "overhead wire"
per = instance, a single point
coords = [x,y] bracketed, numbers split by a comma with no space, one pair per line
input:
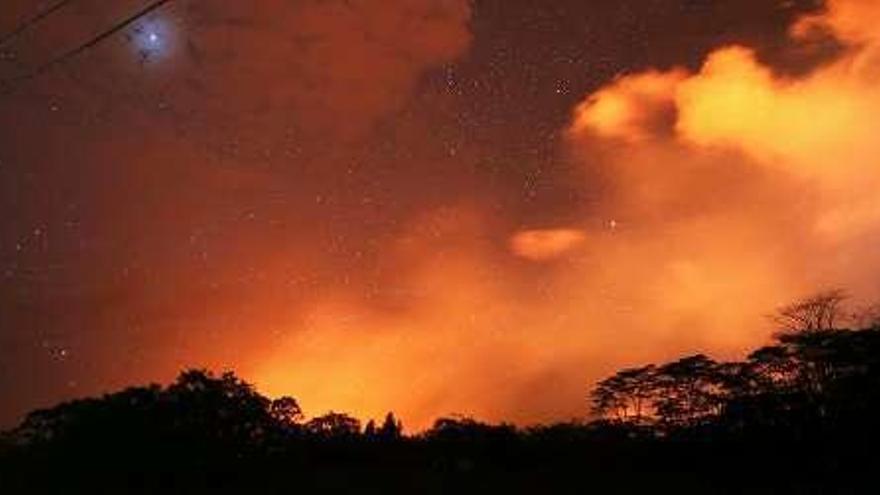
[27,23]
[78,50]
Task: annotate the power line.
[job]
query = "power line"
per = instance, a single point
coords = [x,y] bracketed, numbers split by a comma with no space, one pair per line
[64,57]
[24,26]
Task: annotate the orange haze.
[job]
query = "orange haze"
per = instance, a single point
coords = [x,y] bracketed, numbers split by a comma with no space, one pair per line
[733,190]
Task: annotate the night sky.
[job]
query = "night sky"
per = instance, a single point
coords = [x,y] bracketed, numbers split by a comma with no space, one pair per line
[428,206]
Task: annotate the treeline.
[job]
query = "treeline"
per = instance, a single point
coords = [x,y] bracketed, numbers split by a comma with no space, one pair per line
[199,407]
[822,379]
[814,377]
[797,416]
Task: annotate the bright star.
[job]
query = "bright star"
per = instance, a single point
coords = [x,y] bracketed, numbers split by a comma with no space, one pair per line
[152,39]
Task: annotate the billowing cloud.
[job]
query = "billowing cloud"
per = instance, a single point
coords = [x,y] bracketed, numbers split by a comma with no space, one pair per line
[819,128]
[768,181]
[633,108]
[730,190]
[336,65]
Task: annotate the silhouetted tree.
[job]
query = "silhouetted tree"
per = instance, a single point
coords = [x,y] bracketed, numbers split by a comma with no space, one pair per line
[392,428]
[464,429]
[676,394]
[370,429]
[223,408]
[866,317]
[334,425]
[688,391]
[286,411]
[821,312]
[111,419]
[626,396]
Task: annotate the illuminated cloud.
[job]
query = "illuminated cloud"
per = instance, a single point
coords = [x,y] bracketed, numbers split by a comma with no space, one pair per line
[740,190]
[819,128]
[541,245]
[632,108]
[852,21]
[767,182]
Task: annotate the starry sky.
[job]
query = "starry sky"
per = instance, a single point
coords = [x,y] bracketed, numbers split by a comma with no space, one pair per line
[430,206]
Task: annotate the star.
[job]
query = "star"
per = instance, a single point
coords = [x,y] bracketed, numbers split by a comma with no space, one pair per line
[152,38]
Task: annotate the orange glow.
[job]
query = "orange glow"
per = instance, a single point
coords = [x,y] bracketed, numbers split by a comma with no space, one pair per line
[617,111]
[729,183]
[541,245]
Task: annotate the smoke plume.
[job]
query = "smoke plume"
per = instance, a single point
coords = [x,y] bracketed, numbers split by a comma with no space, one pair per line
[729,191]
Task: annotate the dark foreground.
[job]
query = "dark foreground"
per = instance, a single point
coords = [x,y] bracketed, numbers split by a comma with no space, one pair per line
[552,461]
[799,416]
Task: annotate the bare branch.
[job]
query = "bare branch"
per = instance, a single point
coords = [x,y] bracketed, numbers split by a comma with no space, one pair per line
[818,313]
